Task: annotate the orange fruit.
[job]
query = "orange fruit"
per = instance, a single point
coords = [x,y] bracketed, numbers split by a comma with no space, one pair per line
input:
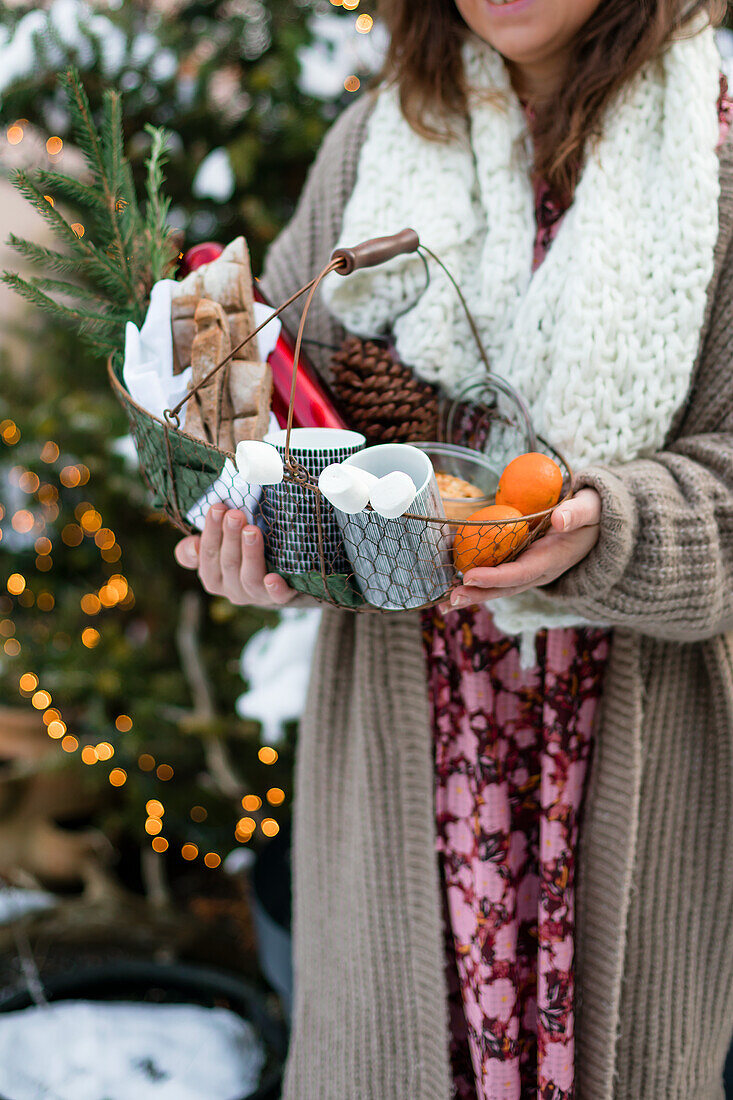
[532,483]
[492,542]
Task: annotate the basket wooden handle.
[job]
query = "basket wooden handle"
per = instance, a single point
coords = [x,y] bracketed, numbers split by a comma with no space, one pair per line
[376,251]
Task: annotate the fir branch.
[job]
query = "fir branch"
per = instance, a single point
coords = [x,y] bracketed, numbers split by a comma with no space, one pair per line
[38,298]
[159,233]
[70,189]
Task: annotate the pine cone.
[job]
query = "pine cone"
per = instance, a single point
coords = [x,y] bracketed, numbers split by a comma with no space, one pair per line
[379,396]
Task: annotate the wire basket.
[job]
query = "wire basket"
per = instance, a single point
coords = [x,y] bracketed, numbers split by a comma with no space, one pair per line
[363,561]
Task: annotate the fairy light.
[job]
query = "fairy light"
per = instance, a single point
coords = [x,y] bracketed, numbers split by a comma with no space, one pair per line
[90,604]
[89,755]
[23,521]
[159,844]
[104,750]
[153,826]
[198,814]
[12,647]
[123,723]
[350,5]
[189,851]
[77,228]
[56,729]
[164,772]
[212,860]
[45,601]
[364,23]
[117,777]
[269,826]
[72,535]
[70,477]
[26,598]
[267,755]
[50,450]
[91,521]
[7,628]
[275,796]
[90,637]
[69,743]
[28,683]
[146,762]
[154,808]
[54,145]
[41,700]
[10,432]
[15,584]
[14,134]
[49,199]
[104,538]
[43,545]
[44,563]
[352,83]
[48,494]
[29,482]
[251,802]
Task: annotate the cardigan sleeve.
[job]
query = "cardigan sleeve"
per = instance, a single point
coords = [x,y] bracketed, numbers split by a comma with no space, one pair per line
[663,564]
[306,242]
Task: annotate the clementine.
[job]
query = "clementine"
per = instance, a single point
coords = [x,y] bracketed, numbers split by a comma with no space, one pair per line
[532,482]
[492,542]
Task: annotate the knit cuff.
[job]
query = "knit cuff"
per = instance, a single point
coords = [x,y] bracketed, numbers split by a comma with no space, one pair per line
[604,566]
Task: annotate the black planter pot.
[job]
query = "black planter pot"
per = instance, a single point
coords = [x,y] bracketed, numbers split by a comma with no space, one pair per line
[150,982]
[271,903]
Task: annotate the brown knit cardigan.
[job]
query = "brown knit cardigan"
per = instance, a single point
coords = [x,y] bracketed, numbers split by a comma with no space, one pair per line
[655,877]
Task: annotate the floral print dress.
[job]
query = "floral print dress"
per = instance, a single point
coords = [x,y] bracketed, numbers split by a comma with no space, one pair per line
[512,750]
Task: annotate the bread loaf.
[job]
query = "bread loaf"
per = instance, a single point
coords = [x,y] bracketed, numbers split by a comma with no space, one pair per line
[210,346]
[250,394]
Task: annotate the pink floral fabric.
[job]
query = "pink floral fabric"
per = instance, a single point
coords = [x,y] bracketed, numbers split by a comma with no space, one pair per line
[512,749]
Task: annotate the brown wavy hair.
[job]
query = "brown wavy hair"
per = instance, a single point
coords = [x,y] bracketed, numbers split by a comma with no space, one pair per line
[424,61]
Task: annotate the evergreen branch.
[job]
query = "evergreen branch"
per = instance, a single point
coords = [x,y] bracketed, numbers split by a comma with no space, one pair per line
[70,189]
[46,257]
[160,234]
[36,297]
[89,141]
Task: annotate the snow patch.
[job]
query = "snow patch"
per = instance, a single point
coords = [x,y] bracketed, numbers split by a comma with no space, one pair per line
[79,1050]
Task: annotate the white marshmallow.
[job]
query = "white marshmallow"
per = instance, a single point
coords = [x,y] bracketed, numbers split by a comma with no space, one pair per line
[259,463]
[346,487]
[393,494]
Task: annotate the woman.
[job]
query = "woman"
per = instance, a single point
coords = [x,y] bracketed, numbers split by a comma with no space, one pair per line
[569,161]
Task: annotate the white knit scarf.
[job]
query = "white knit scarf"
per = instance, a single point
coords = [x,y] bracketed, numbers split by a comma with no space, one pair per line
[602,338]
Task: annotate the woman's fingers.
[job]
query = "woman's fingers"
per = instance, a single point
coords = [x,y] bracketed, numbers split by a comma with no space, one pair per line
[278,590]
[583,510]
[210,550]
[187,552]
[231,554]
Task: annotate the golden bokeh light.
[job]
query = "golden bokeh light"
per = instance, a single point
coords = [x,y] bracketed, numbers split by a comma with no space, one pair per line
[275,796]
[89,755]
[269,826]
[104,750]
[90,637]
[123,723]
[50,450]
[51,715]
[29,482]
[146,762]
[91,521]
[56,729]
[72,535]
[90,604]
[10,433]
[251,802]
[14,134]
[28,682]
[45,601]
[77,228]
[198,814]
[267,755]
[159,844]
[70,477]
[211,859]
[153,826]
[54,145]
[117,777]
[41,700]
[189,851]
[352,83]
[154,808]
[7,628]
[23,521]
[69,743]
[364,23]
[43,545]
[44,564]
[164,772]
[12,647]
[16,584]
[246,825]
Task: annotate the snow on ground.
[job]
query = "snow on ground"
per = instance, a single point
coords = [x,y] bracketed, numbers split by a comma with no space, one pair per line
[79,1050]
[276,663]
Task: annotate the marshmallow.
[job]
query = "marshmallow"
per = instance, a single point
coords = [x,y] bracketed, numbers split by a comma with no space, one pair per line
[259,463]
[346,487]
[393,494]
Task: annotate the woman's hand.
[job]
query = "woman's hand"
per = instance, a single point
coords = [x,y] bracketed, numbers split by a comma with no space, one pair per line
[574,533]
[230,558]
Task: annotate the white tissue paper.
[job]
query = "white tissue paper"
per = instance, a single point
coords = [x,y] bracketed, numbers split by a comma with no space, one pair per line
[149,378]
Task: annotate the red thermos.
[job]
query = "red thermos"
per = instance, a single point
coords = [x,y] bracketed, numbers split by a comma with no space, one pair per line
[313,405]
